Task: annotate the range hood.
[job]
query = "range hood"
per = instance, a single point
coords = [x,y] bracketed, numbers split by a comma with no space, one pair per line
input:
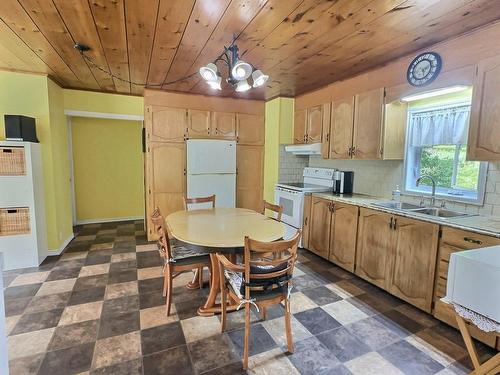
[307,149]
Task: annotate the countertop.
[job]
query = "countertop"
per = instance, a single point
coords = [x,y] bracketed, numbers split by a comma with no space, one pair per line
[481,224]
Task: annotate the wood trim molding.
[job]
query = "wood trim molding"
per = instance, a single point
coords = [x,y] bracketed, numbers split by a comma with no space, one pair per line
[111,116]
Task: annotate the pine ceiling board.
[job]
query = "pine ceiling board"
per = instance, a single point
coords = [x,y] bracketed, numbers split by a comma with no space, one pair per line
[270,17]
[204,18]
[172,19]
[109,16]
[79,21]
[21,24]
[141,24]
[46,17]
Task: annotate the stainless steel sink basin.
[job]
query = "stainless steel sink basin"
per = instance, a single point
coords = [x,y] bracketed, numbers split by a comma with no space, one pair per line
[397,205]
[440,212]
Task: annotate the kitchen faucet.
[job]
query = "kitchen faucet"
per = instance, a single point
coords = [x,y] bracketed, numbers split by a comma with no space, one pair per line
[433,198]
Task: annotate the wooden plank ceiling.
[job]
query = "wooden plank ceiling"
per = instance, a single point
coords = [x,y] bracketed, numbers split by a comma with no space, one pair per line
[300,44]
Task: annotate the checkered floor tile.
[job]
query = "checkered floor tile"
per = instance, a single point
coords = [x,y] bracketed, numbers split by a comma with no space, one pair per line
[98,309]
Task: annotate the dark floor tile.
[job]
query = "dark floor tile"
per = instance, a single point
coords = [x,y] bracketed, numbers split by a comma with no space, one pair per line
[206,359]
[322,295]
[343,344]
[61,273]
[115,325]
[148,259]
[377,302]
[151,300]
[16,306]
[133,367]
[101,253]
[312,357]
[89,282]
[260,341]
[275,311]
[121,305]
[328,277]
[67,336]
[72,263]
[163,337]
[26,365]
[235,368]
[37,321]
[48,302]
[365,285]
[152,285]
[402,321]
[409,359]
[97,259]
[104,239]
[87,295]
[8,279]
[373,333]
[182,294]
[121,276]
[316,320]
[186,309]
[124,249]
[21,291]
[68,361]
[308,281]
[172,361]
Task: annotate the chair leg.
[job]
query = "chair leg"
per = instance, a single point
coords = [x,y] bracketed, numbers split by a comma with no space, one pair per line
[247,336]
[165,282]
[288,326]
[263,313]
[223,300]
[168,279]
[200,277]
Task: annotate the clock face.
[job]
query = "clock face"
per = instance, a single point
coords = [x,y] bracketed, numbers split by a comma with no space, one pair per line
[424,69]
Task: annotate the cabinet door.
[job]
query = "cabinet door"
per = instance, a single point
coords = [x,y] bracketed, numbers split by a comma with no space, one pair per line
[325,138]
[314,129]
[299,127]
[343,234]
[306,221]
[341,128]
[165,124]
[374,252]
[250,129]
[484,128]
[414,261]
[368,121]
[319,231]
[223,125]
[249,180]
[198,123]
[166,180]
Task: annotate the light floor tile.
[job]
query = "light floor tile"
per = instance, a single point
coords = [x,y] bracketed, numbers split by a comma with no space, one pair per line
[10,323]
[299,302]
[344,312]
[276,328]
[29,343]
[101,246]
[29,278]
[200,327]
[76,255]
[157,316]
[117,349]
[90,237]
[345,289]
[149,273]
[148,247]
[58,286]
[81,313]
[431,351]
[128,288]
[123,257]
[272,362]
[297,272]
[97,269]
[371,364]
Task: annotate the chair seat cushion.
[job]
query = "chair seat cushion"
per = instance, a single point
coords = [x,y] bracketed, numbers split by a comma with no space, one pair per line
[189,254]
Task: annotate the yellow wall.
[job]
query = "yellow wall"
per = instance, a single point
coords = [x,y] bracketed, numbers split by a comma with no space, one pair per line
[102,102]
[108,168]
[279,130]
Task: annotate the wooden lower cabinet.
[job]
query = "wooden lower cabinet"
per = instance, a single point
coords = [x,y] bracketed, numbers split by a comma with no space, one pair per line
[250,176]
[374,248]
[343,232]
[306,221]
[415,250]
[319,232]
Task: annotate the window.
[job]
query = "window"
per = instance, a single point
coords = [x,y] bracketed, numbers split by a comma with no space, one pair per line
[436,145]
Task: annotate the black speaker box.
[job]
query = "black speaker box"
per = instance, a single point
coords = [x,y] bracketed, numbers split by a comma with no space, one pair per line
[20,128]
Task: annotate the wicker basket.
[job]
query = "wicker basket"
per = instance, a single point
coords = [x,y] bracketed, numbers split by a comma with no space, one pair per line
[14,221]
[12,161]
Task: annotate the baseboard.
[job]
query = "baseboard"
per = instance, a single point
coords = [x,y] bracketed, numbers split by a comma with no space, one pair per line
[62,247]
[112,219]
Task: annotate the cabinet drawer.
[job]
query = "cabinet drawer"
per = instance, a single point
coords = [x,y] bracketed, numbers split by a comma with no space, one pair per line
[464,240]
[440,287]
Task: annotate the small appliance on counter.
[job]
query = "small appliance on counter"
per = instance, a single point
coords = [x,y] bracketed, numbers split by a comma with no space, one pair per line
[343,182]
[20,128]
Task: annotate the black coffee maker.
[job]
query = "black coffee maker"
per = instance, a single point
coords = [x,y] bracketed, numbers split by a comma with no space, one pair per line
[343,182]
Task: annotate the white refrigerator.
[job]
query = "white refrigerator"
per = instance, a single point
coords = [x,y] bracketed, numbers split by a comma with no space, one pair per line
[211,169]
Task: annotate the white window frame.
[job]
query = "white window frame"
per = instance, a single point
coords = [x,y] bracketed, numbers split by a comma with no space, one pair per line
[409,186]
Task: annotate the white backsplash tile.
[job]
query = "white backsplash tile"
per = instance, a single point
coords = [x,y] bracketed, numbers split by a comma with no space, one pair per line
[291,166]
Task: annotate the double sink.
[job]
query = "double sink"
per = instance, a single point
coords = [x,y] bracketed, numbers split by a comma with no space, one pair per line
[429,211]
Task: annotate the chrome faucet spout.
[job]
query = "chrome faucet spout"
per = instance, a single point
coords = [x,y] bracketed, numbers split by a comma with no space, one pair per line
[433,198]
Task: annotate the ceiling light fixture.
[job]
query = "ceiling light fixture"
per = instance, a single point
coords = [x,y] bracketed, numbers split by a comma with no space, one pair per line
[433,93]
[239,71]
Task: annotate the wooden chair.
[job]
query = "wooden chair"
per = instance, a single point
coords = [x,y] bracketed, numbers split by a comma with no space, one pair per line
[176,258]
[209,199]
[264,279]
[273,207]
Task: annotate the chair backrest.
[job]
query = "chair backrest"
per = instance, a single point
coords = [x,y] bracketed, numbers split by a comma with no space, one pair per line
[272,207]
[163,240]
[269,260]
[209,199]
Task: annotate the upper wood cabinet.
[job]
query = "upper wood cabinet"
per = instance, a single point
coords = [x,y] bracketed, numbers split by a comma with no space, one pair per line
[368,120]
[341,128]
[314,129]
[394,130]
[319,232]
[343,233]
[415,253]
[299,127]
[250,176]
[198,123]
[223,125]
[484,129]
[164,124]
[309,124]
[250,129]
[374,252]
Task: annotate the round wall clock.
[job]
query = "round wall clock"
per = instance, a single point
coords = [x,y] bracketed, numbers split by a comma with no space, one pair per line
[424,69]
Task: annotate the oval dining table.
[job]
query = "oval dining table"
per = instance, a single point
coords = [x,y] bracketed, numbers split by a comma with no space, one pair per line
[221,230]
